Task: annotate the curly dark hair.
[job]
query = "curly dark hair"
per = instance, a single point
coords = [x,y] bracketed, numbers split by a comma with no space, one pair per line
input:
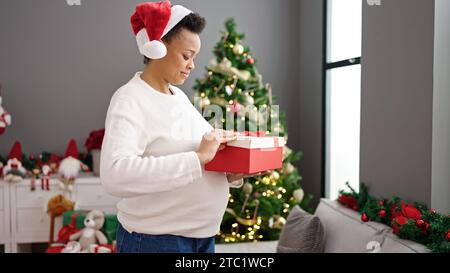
[192,22]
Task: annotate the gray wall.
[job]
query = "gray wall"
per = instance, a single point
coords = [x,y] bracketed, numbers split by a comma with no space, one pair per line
[441,112]
[60,65]
[397,98]
[310,107]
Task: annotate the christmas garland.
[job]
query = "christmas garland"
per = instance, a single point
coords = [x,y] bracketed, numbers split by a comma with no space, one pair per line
[409,221]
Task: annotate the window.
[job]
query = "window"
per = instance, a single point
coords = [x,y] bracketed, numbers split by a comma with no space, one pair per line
[342,75]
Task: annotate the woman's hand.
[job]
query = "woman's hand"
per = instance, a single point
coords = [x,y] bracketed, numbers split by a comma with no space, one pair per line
[212,142]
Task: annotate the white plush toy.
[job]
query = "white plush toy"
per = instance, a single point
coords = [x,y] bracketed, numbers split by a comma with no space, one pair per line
[91,234]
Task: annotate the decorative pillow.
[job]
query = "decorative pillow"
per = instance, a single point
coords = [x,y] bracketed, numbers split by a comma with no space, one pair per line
[302,233]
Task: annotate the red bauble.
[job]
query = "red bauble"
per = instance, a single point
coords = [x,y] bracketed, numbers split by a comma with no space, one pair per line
[382,213]
[432,211]
[364,217]
[447,236]
[250,61]
[381,203]
[420,223]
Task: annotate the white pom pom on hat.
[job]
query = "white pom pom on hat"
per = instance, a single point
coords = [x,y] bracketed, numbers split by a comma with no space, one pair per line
[151,22]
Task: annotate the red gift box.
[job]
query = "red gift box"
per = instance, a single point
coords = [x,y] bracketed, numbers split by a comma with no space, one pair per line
[248,155]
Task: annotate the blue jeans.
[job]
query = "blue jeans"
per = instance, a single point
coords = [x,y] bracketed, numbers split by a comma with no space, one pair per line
[145,243]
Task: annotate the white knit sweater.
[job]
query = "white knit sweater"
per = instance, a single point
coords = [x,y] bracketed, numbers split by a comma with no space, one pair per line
[148,158]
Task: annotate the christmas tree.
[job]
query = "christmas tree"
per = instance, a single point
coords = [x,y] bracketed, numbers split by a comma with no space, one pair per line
[233,85]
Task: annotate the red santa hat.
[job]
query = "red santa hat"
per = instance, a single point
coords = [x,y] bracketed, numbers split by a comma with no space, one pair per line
[151,22]
[72,149]
[16,151]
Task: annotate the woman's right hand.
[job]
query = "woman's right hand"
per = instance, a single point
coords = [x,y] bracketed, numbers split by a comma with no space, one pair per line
[212,142]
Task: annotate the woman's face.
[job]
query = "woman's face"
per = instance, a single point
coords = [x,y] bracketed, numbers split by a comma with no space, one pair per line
[181,53]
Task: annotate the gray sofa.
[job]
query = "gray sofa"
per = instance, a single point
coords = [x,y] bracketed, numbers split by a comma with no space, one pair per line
[344,233]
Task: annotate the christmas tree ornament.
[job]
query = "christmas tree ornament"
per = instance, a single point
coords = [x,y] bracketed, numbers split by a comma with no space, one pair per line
[382,213]
[238,49]
[205,102]
[298,195]
[14,171]
[275,175]
[248,189]
[278,222]
[447,236]
[151,22]
[381,203]
[250,61]
[432,211]
[420,223]
[289,168]
[364,217]
[235,107]
[5,117]
[229,90]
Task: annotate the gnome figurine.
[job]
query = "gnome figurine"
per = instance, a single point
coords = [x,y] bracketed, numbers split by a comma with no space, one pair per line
[70,166]
[14,171]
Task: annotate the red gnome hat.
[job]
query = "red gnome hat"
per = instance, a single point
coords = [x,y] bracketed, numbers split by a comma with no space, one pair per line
[72,149]
[16,151]
[151,21]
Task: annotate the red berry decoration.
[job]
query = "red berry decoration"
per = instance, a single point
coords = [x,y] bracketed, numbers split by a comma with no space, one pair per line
[382,213]
[420,223]
[364,217]
[381,203]
[432,211]
[447,236]
[250,61]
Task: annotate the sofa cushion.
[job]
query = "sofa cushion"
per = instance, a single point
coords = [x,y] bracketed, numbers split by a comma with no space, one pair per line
[393,244]
[344,230]
[302,233]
